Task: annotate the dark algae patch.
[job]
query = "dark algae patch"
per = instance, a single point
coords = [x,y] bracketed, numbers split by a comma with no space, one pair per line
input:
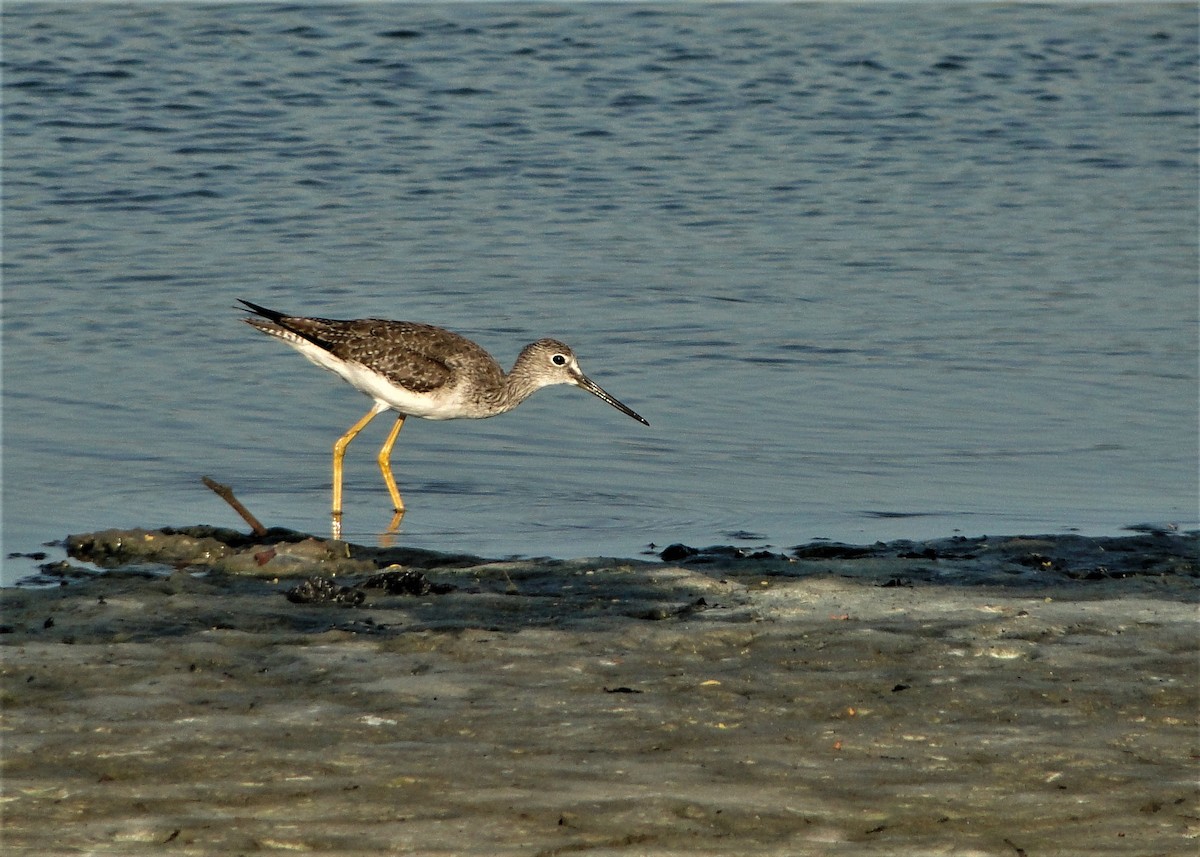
[983,559]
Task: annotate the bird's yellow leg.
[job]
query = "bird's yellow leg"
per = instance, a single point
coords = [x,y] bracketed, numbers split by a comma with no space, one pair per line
[339,452]
[385,465]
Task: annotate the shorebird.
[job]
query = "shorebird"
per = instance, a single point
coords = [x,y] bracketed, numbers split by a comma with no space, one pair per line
[418,370]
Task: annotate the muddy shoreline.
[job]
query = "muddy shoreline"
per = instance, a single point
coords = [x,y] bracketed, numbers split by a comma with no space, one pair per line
[1030,695]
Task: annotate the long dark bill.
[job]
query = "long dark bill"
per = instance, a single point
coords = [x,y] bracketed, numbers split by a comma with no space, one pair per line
[598,391]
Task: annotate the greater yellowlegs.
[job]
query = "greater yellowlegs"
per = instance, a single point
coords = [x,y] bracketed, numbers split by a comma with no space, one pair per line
[423,371]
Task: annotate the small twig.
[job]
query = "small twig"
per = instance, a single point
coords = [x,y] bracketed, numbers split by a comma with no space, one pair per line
[226,494]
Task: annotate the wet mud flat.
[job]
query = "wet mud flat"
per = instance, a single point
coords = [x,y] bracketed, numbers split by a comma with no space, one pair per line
[212,693]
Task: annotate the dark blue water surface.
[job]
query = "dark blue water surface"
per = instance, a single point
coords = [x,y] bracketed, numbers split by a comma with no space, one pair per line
[869,271]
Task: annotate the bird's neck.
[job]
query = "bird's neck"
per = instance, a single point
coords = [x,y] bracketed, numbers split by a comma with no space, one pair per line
[520,383]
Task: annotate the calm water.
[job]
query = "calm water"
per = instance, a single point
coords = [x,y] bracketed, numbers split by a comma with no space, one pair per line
[869,272]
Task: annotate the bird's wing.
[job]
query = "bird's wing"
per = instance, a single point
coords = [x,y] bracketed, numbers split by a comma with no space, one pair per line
[405,353]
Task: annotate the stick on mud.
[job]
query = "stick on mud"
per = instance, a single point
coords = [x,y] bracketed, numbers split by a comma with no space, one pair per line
[226,494]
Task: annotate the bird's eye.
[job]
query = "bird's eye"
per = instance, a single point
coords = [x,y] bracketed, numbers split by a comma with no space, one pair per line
[559,360]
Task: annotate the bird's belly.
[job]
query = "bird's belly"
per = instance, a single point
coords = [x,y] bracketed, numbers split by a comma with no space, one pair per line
[441,404]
